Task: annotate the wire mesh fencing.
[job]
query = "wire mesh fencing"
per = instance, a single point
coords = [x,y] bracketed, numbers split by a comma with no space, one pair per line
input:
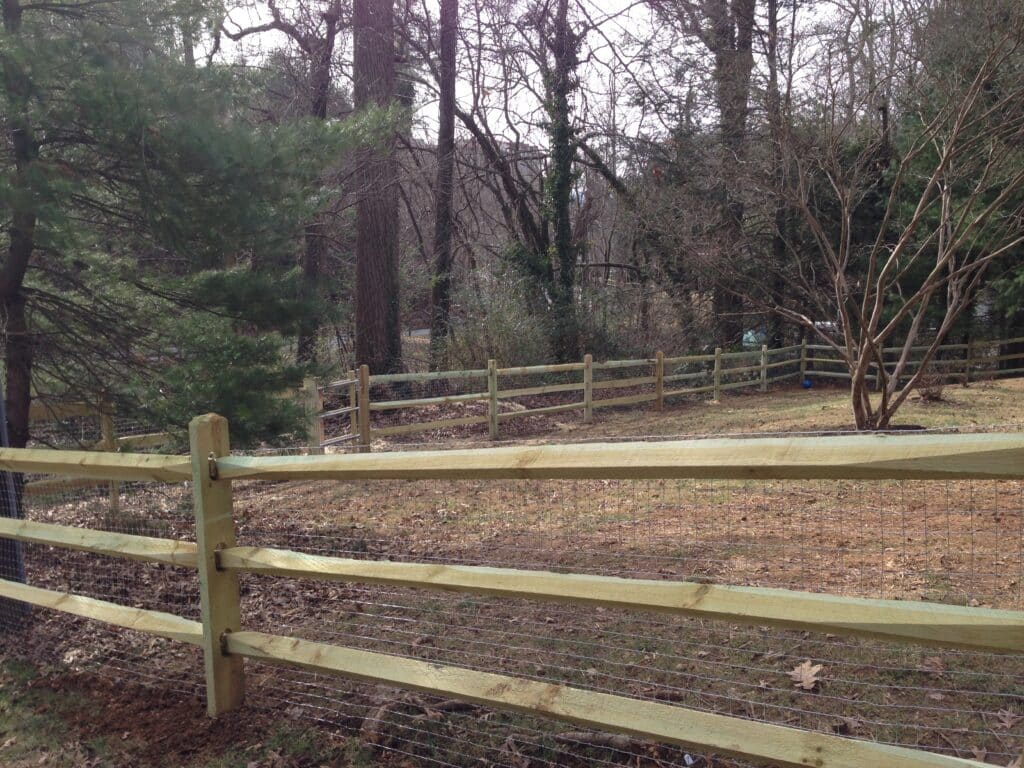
[956,542]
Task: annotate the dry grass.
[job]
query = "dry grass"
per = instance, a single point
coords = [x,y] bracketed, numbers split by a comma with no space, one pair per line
[951,542]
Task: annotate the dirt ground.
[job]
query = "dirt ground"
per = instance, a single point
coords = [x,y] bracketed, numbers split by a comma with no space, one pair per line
[960,543]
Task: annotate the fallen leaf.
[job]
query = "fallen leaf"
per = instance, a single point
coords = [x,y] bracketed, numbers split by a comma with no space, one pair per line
[805,675]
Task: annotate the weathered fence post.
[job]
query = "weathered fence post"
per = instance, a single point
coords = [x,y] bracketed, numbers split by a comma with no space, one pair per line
[353,404]
[970,361]
[588,389]
[718,373]
[764,367]
[659,381]
[109,436]
[312,404]
[364,409]
[803,359]
[218,590]
[492,399]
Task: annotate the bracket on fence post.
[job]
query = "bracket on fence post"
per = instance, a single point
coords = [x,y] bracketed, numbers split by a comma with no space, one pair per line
[659,381]
[718,373]
[764,367]
[492,399]
[313,405]
[588,389]
[364,409]
[218,590]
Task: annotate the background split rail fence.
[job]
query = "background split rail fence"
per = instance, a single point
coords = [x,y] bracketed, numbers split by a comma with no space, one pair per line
[226,643]
[591,385]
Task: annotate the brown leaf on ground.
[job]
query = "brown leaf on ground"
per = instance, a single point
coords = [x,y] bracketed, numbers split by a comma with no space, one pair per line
[805,675]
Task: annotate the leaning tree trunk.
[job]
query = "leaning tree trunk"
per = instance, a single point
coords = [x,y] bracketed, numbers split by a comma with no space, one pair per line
[444,223]
[378,330]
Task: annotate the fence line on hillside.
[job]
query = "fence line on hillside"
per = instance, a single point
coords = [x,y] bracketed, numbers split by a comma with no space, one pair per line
[212,469]
[661,378]
[58,413]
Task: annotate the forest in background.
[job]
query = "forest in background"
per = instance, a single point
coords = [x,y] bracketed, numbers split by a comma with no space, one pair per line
[202,202]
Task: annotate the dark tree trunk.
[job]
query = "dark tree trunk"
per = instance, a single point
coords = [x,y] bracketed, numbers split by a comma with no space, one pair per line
[441,289]
[730,39]
[776,122]
[563,150]
[313,255]
[21,244]
[378,329]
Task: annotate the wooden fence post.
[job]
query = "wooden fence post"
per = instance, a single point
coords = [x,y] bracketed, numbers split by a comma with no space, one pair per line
[312,404]
[659,381]
[718,373]
[492,399]
[109,436]
[588,389]
[764,367]
[353,403]
[218,590]
[803,359]
[364,409]
[970,361]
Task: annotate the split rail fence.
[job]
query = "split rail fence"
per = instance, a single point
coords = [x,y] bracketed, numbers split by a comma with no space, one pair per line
[226,643]
[613,383]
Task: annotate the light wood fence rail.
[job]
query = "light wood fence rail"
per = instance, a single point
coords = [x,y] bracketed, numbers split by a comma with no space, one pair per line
[661,377]
[225,643]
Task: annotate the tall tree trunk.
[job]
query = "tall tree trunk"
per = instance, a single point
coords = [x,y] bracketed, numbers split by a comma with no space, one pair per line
[378,329]
[730,39]
[21,243]
[314,240]
[776,126]
[18,340]
[441,289]
[563,151]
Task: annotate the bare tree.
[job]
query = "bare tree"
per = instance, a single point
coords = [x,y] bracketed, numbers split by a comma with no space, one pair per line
[949,197]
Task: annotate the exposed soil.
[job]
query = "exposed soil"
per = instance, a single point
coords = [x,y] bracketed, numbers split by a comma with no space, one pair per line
[950,542]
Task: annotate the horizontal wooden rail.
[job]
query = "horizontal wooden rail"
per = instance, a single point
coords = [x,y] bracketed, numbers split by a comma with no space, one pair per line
[394,378]
[108,466]
[847,457]
[338,411]
[387,405]
[636,381]
[526,370]
[548,389]
[923,623]
[546,410]
[705,731]
[338,440]
[149,440]
[421,426]
[607,402]
[150,622]
[144,548]
[608,365]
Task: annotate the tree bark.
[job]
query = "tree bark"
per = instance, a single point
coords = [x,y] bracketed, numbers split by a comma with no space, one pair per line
[378,328]
[441,289]
[322,53]
[565,335]
[730,39]
[21,244]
